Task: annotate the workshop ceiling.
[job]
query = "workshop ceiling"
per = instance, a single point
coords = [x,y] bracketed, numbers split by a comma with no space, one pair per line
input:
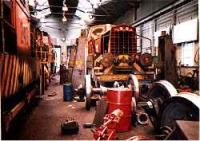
[80,14]
[56,7]
[106,12]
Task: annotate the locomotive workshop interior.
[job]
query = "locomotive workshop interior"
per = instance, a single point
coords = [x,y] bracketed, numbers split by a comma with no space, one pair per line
[99,69]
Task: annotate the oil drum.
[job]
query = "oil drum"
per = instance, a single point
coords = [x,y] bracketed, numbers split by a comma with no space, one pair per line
[67,92]
[120,98]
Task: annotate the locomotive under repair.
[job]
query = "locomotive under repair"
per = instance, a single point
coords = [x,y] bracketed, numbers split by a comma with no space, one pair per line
[24,59]
[112,57]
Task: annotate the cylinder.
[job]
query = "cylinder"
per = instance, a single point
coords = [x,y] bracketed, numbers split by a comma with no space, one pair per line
[67,92]
[120,98]
[142,118]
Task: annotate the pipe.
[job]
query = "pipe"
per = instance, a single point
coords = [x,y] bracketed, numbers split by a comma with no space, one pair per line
[142,118]
[88,85]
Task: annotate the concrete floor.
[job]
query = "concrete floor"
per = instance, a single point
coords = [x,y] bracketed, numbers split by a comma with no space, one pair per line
[44,120]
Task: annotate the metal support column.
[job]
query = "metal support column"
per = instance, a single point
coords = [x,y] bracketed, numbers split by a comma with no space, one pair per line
[2,28]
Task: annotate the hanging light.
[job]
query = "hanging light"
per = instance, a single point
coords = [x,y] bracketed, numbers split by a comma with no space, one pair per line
[64,19]
[65,8]
[90,16]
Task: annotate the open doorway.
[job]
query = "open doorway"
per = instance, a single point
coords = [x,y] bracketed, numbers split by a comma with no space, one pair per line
[57,50]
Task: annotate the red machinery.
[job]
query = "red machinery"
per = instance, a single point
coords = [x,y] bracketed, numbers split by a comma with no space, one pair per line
[107,131]
[121,98]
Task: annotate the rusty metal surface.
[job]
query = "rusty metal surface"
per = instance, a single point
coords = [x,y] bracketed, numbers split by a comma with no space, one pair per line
[79,66]
[167,55]
[116,77]
[112,77]
[22,27]
[187,130]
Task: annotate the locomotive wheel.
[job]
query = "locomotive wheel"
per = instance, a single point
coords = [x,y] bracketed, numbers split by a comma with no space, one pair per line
[184,106]
[159,93]
[133,83]
[162,90]
[88,92]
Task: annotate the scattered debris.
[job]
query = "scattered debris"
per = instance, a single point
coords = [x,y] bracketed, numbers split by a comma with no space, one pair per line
[70,127]
[71,106]
[52,94]
[88,125]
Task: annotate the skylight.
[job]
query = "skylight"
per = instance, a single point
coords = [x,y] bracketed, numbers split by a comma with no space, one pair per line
[41,8]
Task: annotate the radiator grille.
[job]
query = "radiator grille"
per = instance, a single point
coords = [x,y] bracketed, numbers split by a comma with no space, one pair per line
[123,42]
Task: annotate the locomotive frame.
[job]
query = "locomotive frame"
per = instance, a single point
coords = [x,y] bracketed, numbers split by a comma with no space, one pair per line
[113,59]
[21,70]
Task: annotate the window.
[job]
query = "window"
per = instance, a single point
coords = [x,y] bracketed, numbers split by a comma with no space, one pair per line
[185,32]
[187,54]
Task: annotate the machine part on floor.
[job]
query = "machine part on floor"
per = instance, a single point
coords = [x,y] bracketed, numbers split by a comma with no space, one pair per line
[52,94]
[160,92]
[81,94]
[121,98]
[142,118]
[70,127]
[183,106]
[107,131]
[133,138]
[88,103]
[133,84]
[190,81]
[166,131]
[101,110]
[88,125]
[142,137]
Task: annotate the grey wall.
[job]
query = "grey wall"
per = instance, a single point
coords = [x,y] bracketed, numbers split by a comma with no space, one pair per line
[53,26]
[146,7]
[128,17]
